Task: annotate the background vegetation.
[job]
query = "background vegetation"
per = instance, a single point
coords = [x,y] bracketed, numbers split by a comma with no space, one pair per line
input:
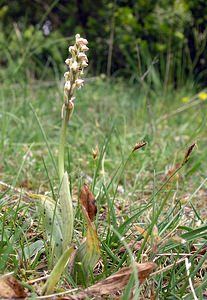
[125,37]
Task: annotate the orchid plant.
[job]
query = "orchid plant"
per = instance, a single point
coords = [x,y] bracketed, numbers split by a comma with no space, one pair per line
[60,215]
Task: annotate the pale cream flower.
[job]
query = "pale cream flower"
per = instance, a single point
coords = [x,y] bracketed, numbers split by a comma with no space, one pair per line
[67,85]
[72,99]
[84,64]
[77,36]
[68,61]
[74,66]
[71,104]
[72,49]
[67,76]
[80,41]
[84,48]
[79,83]
[82,56]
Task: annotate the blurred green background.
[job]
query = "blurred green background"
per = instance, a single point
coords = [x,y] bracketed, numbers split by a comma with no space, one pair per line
[126,38]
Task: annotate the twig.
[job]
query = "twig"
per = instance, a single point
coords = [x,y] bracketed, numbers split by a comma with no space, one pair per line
[188,265]
[167,268]
[58,294]
[38,279]
[8,186]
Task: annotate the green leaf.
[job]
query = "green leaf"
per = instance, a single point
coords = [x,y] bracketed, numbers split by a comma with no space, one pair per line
[52,222]
[66,206]
[57,271]
[32,249]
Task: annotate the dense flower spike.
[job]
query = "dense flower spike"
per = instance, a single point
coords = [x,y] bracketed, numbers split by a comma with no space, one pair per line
[76,65]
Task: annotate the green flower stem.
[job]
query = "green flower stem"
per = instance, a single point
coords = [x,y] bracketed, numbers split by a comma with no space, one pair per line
[67,114]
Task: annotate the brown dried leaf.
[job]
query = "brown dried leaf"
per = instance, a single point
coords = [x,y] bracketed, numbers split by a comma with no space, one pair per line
[139,145]
[95,152]
[133,246]
[202,252]
[188,153]
[10,288]
[88,202]
[140,230]
[116,282]
[88,253]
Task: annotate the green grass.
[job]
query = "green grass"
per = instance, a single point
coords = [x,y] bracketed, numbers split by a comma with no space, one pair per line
[130,188]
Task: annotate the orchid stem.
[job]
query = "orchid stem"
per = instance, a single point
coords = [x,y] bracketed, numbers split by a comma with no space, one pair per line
[61,165]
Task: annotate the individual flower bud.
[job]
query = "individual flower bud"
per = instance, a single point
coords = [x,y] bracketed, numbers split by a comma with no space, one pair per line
[72,50]
[82,56]
[77,36]
[80,41]
[67,76]
[71,104]
[79,83]
[68,61]
[74,66]
[84,48]
[84,64]
[72,99]
[67,85]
